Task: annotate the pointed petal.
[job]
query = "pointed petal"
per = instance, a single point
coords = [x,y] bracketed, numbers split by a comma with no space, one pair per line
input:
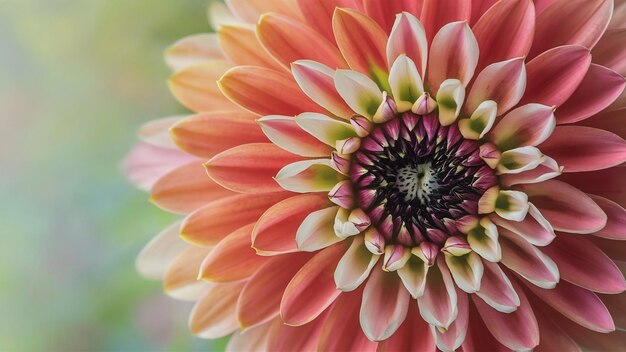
[480,122]
[324,128]
[359,92]
[466,270]
[609,53]
[241,46]
[438,305]
[160,252]
[181,278]
[437,13]
[453,55]
[355,266]
[316,231]
[408,37]
[312,289]
[534,228]
[283,337]
[616,219]
[285,133]
[211,223]
[453,337]
[249,168]
[413,275]
[384,306]
[496,289]
[319,13]
[275,230]
[288,40]
[450,98]
[361,40]
[483,239]
[583,264]
[192,50]
[317,82]
[255,338]
[502,82]
[232,259]
[196,86]
[412,335]
[214,315]
[592,149]
[208,134]
[505,31]
[406,83]
[263,91]
[186,189]
[528,125]
[528,261]
[251,10]
[384,12]
[517,330]
[316,175]
[157,132]
[518,160]
[571,22]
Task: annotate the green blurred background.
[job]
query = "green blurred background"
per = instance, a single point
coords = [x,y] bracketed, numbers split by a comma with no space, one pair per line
[77,79]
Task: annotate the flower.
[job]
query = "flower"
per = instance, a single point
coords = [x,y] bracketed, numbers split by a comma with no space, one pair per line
[396,175]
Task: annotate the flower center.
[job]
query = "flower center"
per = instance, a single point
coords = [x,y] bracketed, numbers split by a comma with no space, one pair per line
[415,177]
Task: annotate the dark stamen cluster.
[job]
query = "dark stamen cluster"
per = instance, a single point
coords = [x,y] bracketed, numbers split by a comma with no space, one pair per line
[414,177]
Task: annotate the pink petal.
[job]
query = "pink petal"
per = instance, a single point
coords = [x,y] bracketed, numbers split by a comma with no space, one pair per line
[502,82]
[355,266]
[517,330]
[312,289]
[157,132]
[214,315]
[317,230]
[555,75]
[289,338]
[254,338]
[319,13]
[591,149]
[453,55]
[454,336]
[505,31]
[186,189]
[619,15]
[181,278]
[528,125]
[438,304]
[251,10]
[534,228]
[479,7]
[146,163]
[597,91]
[412,335]
[250,168]
[154,259]
[361,40]
[192,50]
[275,231]
[478,337]
[496,289]
[241,46]
[195,86]
[259,301]
[610,120]
[437,13]
[343,321]
[571,22]
[232,259]
[609,52]
[608,183]
[553,338]
[285,133]
[578,304]
[408,37]
[288,40]
[211,223]
[583,264]
[616,224]
[208,134]
[385,11]
[262,91]
[318,83]
[384,306]
[565,207]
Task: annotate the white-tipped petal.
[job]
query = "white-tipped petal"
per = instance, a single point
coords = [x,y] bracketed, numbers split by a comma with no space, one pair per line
[518,160]
[324,128]
[406,84]
[396,256]
[408,37]
[481,121]
[359,92]
[308,176]
[355,266]
[316,231]
[483,239]
[450,99]
[467,270]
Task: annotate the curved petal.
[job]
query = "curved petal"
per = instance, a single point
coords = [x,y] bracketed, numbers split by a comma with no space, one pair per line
[317,230]
[327,130]
[355,266]
[157,132]
[288,40]
[438,305]
[565,207]
[555,75]
[505,31]
[319,13]
[609,120]
[208,134]
[437,13]
[265,91]
[597,91]
[528,125]
[452,338]
[534,228]
[408,37]
[591,149]
[616,219]
[211,223]
[453,55]
[154,259]
[192,50]
[254,338]
[496,289]
[466,270]
[312,289]
[571,22]
[196,86]
[609,52]
[406,84]
[384,306]
[232,259]
[316,175]
[186,189]
[285,133]
[361,40]
[181,278]
[359,92]
[275,231]
[412,335]
[241,46]
[384,12]
[583,264]
[608,183]
[214,315]
[251,10]
[250,168]
[502,82]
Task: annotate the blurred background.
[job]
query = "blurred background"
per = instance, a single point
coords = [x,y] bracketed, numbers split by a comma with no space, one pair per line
[77,79]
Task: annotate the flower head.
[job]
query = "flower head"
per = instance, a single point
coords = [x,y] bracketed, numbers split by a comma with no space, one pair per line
[397,175]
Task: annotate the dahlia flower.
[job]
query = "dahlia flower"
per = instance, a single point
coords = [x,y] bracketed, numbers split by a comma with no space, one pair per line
[396,175]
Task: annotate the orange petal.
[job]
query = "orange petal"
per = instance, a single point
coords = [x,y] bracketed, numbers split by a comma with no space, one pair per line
[250,168]
[214,315]
[319,13]
[186,189]
[208,134]
[265,91]
[160,252]
[312,289]
[361,40]
[191,50]
[181,278]
[299,338]
[289,40]
[211,223]
[241,46]
[275,231]
[437,13]
[384,11]
[413,335]
[503,82]
[251,10]
[233,258]
[196,88]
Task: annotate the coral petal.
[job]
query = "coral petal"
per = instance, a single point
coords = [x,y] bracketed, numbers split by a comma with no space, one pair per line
[214,315]
[437,13]
[453,55]
[196,86]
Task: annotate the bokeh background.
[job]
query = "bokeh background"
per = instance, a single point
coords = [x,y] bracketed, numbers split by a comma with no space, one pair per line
[77,79]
